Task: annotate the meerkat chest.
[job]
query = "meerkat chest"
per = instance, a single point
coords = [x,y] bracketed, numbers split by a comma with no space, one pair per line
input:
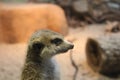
[56,70]
[50,70]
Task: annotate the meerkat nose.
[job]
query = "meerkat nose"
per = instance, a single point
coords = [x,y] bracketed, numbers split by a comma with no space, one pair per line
[71,46]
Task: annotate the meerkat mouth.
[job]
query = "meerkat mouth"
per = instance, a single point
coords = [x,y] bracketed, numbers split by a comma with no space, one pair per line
[64,50]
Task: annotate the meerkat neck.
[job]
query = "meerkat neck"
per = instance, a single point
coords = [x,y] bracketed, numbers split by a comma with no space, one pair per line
[33,55]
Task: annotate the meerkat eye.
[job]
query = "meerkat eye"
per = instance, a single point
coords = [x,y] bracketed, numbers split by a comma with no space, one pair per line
[56,41]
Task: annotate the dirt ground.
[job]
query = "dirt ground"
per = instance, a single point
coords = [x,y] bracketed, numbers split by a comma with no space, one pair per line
[12,57]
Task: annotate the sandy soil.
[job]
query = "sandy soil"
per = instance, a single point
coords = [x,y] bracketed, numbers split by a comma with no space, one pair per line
[12,57]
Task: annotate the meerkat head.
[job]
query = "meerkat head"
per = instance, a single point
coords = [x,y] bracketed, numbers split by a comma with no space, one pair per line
[47,43]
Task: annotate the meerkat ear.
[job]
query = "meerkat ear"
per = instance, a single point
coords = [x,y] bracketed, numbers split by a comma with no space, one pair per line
[38,46]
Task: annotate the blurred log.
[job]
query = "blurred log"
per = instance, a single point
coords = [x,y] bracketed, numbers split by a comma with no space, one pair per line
[103,54]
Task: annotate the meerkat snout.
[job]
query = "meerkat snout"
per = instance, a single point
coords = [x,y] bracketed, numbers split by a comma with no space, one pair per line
[62,45]
[71,45]
[66,45]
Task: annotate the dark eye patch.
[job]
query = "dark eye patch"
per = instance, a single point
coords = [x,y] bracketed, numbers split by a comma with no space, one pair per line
[56,41]
[38,46]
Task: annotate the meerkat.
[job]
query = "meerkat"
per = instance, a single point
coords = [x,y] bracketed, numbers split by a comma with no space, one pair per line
[42,46]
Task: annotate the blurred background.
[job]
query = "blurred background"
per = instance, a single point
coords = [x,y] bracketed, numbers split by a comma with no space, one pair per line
[77,20]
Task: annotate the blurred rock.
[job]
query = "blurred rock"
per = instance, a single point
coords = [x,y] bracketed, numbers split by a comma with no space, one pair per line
[102,10]
[18,22]
[80,6]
